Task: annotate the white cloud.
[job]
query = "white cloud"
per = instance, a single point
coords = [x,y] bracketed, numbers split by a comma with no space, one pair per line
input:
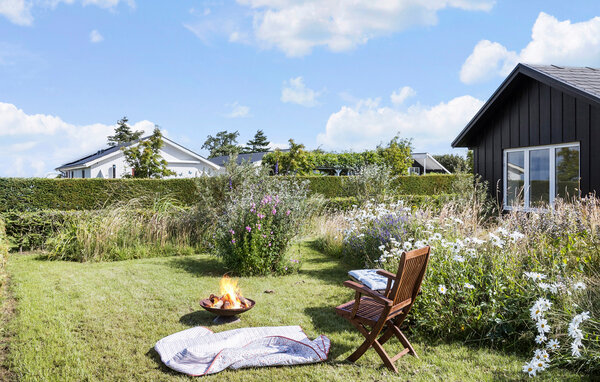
[41,142]
[95,36]
[398,97]
[368,123]
[552,42]
[238,111]
[295,91]
[16,11]
[296,27]
[19,11]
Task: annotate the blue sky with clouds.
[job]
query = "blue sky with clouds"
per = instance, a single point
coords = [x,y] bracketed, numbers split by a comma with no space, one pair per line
[340,75]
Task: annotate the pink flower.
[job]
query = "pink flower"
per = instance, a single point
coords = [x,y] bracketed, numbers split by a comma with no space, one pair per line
[264,236]
[232,232]
[288,212]
[232,241]
[258,226]
[248,228]
[269,244]
[274,211]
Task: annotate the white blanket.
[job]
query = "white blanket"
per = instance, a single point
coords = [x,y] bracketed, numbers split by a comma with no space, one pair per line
[199,351]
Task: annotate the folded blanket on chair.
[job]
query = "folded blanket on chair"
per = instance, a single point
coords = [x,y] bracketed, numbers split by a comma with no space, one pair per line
[369,278]
[199,351]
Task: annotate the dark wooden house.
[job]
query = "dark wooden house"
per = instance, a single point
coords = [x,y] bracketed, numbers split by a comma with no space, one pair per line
[538,137]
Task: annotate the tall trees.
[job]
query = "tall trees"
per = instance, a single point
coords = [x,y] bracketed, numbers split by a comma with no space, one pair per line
[258,144]
[144,158]
[123,134]
[224,143]
[453,162]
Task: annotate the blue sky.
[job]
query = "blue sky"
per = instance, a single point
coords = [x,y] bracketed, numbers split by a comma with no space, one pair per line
[340,75]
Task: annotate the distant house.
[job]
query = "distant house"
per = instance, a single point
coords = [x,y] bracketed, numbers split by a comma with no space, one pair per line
[537,137]
[110,163]
[424,163]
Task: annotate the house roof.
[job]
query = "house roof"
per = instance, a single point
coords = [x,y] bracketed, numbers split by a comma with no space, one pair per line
[579,81]
[86,161]
[251,157]
[428,162]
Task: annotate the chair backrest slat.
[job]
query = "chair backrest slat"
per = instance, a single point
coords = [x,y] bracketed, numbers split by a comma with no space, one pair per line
[410,275]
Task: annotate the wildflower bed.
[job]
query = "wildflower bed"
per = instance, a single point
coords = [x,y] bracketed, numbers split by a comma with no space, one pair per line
[527,283]
[99,321]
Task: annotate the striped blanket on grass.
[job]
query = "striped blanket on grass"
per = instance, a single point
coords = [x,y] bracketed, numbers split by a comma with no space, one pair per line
[199,351]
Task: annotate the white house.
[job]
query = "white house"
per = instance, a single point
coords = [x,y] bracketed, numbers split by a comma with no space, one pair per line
[110,163]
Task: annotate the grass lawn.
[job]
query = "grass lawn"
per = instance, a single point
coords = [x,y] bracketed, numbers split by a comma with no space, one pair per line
[100,321]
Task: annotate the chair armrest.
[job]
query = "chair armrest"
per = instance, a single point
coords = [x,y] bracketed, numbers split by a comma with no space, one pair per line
[387,274]
[371,293]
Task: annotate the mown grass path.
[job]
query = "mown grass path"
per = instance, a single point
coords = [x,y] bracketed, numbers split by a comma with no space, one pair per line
[100,321]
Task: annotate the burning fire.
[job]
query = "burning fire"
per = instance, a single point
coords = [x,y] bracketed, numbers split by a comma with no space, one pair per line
[231,296]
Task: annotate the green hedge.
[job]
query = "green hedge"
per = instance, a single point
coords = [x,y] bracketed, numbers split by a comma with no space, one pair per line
[3,256]
[328,186]
[31,194]
[29,230]
[431,184]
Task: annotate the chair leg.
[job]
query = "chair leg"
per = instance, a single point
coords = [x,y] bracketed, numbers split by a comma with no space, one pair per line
[365,345]
[384,356]
[389,332]
[404,341]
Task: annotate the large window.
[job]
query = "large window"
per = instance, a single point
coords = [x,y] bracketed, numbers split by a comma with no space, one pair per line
[535,176]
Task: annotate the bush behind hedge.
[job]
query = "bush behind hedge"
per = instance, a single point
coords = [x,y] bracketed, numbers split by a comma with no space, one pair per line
[29,230]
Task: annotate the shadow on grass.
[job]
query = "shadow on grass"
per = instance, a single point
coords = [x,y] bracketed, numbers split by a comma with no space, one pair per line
[204,266]
[197,318]
[154,356]
[327,322]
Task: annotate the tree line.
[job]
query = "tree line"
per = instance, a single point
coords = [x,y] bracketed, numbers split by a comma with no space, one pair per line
[146,162]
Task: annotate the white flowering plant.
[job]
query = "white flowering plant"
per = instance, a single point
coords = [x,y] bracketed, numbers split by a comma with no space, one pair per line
[522,282]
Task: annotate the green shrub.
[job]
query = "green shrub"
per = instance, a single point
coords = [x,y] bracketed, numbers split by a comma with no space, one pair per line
[260,217]
[341,204]
[127,231]
[30,230]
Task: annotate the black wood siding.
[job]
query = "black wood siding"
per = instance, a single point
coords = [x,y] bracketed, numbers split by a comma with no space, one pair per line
[537,114]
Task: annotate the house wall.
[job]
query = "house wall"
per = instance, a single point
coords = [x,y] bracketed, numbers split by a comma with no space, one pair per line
[102,169]
[77,173]
[535,114]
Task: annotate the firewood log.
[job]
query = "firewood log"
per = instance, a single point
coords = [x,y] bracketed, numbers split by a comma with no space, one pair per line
[227,305]
[218,305]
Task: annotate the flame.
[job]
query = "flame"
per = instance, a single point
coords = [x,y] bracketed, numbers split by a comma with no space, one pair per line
[229,292]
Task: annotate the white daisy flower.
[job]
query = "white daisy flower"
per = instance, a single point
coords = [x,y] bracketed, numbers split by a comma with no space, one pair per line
[535,276]
[579,286]
[543,326]
[530,368]
[407,246]
[553,344]
[540,339]
[442,289]
[459,258]
[469,286]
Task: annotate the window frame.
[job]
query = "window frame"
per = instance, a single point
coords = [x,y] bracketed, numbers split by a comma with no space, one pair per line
[552,169]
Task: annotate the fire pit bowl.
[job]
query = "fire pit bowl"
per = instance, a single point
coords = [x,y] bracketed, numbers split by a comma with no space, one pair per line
[206,304]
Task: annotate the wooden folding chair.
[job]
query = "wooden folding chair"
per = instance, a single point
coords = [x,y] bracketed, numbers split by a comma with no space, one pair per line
[388,310]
